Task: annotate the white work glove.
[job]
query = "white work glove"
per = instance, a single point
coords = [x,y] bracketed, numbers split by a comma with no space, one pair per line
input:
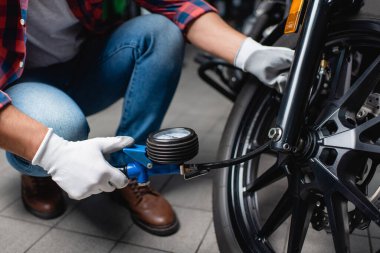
[79,168]
[269,64]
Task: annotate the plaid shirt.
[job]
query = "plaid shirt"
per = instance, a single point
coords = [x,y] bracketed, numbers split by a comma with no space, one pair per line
[89,13]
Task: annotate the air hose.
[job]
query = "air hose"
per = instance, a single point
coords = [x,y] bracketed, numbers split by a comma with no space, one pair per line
[166,152]
[179,145]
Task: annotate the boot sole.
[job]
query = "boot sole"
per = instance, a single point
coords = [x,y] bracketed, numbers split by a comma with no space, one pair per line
[166,231]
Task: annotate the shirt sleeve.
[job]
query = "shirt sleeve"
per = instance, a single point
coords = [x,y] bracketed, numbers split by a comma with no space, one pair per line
[4,100]
[181,12]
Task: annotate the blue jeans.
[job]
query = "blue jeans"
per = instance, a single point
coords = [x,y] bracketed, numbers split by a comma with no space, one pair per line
[139,61]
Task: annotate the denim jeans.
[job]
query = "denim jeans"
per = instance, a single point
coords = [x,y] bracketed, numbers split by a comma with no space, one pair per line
[139,61]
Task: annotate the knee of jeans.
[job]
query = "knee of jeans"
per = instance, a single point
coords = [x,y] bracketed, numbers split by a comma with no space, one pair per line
[159,34]
[52,107]
[160,25]
[166,33]
[168,42]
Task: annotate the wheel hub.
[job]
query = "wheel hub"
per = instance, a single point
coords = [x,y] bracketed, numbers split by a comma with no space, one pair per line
[312,149]
[307,146]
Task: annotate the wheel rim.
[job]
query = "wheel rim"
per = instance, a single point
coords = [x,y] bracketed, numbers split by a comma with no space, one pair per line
[252,226]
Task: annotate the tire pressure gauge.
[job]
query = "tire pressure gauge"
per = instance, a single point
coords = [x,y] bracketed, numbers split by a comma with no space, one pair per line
[172,145]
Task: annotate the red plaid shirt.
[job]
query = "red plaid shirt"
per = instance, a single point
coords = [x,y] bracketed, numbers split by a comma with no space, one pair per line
[89,12]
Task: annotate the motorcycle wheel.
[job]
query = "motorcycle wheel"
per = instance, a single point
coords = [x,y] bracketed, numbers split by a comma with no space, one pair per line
[260,220]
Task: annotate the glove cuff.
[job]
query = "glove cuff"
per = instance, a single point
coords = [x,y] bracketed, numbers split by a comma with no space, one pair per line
[41,150]
[246,49]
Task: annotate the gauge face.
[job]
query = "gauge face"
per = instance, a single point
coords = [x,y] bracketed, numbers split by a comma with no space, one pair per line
[172,134]
[172,145]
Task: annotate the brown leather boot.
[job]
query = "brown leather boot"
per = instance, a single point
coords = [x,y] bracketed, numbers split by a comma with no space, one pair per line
[42,197]
[149,209]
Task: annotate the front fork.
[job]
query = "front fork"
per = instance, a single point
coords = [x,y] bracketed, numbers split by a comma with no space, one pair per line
[304,68]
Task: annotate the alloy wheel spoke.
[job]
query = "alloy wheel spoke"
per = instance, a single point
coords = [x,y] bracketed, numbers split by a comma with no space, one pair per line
[280,213]
[353,99]
[328,179]
[358,93]
[356,138]
[348,141]
[342,79]
[350,191]
[371,126]
[373,149]
[338,219]
[273,174]
[301,216]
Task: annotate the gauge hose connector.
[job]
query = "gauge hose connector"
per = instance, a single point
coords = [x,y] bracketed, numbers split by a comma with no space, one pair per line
[172,145]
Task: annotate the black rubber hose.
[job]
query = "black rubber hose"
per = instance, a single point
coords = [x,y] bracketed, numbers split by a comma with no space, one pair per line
[222,164]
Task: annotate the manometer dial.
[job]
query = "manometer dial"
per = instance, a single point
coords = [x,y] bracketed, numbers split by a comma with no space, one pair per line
[172,145]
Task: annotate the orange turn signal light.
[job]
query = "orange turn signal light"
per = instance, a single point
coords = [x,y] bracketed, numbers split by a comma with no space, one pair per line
[293,19]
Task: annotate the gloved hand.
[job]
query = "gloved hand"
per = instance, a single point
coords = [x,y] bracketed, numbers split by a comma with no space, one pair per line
[269,64]
[79,168]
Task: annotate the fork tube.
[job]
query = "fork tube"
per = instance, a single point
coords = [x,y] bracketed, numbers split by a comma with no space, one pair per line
[305,65]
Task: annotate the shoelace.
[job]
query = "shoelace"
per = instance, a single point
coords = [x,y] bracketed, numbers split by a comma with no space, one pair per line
[140,191]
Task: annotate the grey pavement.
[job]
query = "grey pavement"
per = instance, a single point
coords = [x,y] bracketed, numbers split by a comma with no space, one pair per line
[98,224]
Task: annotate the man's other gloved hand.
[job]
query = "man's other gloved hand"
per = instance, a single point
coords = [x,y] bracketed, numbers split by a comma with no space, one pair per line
[79,168]
[269,64]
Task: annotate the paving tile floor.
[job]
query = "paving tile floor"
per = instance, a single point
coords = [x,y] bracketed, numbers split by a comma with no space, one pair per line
[98,224]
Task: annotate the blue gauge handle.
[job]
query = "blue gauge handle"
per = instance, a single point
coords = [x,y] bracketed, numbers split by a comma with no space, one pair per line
[142,174]
[141,168]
